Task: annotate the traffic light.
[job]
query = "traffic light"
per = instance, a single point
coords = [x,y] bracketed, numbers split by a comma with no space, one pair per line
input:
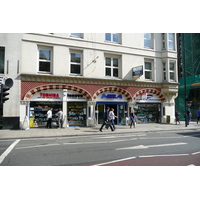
[4,93]
[4,88]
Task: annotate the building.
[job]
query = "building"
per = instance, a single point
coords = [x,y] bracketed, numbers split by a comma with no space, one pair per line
[189,73]
[85,72]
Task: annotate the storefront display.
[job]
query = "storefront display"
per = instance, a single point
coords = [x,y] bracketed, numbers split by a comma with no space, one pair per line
[38,111]
[77,113]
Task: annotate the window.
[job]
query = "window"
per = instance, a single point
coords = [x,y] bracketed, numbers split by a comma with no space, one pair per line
[148,40]
[111,66]
[163,41]
[76,34]
[45,60]
[172,71]
[164,71]
[75,63]
[112,37]
[2,59]
[171,41]
[148,70]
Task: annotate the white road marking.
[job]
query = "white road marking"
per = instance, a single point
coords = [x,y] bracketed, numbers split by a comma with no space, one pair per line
[160,138]
[101,142]
[36,146]
[191,165]
[114,161]
[196,153]
[8,150]
[146,147]
[149,156]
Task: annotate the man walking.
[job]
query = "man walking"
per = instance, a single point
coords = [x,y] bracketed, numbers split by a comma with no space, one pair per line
[49,118]
[112,118]
[59,114]
[106,120]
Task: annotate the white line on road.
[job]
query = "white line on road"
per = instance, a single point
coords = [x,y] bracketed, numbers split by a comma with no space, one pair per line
[114,161]
[149,156]
[196,153]
[146,147]
[45,145]
[8,150]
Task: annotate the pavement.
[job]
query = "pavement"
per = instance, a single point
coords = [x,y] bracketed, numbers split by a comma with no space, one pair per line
[84,131]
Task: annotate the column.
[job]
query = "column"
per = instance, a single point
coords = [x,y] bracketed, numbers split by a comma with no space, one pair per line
[64,108]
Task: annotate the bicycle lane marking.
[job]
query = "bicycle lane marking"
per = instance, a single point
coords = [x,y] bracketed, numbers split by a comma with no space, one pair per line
[8,150]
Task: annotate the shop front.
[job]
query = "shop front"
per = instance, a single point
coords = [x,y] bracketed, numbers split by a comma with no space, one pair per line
[41,102]
[113,100]
[148,108]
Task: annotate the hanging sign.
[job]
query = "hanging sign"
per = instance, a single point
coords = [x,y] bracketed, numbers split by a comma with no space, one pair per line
[138,71]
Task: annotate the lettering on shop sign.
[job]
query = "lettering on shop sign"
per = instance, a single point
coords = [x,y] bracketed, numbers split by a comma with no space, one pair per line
[111,96]
[49,95]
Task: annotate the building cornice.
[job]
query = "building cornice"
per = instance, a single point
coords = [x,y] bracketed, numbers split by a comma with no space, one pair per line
[95,81]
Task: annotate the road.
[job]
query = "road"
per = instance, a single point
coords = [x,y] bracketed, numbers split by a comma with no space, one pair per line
[170,148]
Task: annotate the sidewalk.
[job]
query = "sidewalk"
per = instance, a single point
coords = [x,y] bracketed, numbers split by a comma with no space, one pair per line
[77,131]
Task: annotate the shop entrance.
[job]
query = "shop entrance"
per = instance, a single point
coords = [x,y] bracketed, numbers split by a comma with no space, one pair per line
[148,113]
[120,110]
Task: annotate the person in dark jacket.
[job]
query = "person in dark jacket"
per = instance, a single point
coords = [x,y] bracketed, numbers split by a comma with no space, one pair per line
[106,120]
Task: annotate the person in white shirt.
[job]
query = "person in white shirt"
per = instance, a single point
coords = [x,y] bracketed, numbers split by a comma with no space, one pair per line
[49,118]
[112,118]
[59,114]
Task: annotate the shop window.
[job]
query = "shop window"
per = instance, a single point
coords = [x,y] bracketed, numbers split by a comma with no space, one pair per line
[111,67]
[148,70]
[2,58]
[148,40]
[112,37]
[45,60]
[75,63]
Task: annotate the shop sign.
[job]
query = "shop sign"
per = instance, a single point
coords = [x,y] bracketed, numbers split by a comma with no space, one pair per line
[54,95]
[49,95]
[146,97]
[138,71]
[111,96]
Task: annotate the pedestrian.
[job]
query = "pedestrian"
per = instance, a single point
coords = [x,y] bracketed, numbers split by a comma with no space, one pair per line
[189,115]
[133,119]
[59,114]
[112,117]
[177,114]
[106,120]
[198,115]
[49,118]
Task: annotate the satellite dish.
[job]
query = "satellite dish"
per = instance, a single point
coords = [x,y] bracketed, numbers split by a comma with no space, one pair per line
[9,82]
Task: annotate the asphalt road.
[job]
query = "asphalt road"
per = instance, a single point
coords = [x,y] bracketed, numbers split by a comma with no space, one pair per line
[130,149]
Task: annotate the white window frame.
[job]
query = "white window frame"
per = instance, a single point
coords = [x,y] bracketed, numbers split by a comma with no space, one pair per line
[76,63]
[172,71]
[112,67]
[112,38]
[43,60]
[149,39]
[171,42]
[149,70]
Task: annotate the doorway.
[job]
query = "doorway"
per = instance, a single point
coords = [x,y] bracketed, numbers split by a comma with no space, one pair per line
[120,110]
